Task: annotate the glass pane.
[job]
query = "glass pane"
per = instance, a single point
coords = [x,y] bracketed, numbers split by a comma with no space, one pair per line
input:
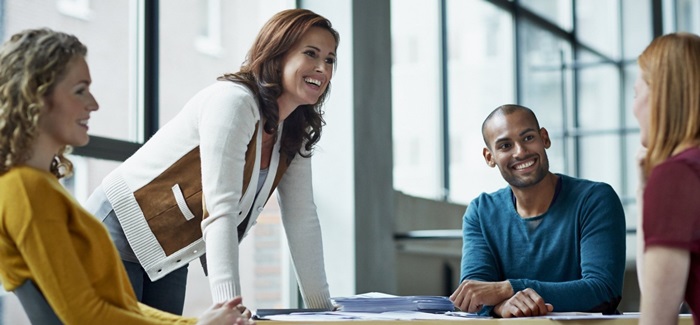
[556,155]
[480,78]
[636,28]
[592,148]
[416,97]
[105,28]
[199,41]
[598,94]
[187,35]
[688,16]
[556,11]
[543,76]
[597,25]
[631,73]
[87,175]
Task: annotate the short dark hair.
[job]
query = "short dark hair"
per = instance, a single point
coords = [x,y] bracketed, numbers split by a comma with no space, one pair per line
[507,109]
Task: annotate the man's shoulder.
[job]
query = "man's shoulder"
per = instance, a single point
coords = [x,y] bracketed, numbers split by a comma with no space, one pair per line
[498,197]
[582,185]
[578,192]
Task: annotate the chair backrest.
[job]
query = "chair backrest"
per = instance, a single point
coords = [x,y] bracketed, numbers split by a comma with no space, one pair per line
[35,305]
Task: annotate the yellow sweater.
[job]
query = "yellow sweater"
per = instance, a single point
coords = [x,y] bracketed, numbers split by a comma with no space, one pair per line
[46,236]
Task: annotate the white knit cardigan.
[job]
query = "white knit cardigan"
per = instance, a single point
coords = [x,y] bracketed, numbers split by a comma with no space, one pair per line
[221,119]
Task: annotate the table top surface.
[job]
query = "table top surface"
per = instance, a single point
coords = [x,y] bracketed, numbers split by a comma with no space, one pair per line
[628,320]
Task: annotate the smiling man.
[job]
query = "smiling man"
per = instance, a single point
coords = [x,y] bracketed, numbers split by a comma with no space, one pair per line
[547,242]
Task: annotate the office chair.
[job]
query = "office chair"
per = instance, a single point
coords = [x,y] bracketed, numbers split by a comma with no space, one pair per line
[35,305]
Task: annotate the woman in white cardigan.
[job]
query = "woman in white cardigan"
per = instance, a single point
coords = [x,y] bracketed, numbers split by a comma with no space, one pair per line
[201,181]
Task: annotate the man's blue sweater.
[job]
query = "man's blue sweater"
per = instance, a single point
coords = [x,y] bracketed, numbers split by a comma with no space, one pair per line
[573,255]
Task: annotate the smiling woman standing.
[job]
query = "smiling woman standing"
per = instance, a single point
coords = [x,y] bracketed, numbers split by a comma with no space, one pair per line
[202,180]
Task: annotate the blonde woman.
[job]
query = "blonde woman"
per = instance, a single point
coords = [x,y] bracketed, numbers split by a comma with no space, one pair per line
[667,106]
[45,236]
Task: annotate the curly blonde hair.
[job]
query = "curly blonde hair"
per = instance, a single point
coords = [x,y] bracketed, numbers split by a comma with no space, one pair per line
[31,63]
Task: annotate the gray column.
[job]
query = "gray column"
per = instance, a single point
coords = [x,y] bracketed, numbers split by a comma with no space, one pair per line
[374,194]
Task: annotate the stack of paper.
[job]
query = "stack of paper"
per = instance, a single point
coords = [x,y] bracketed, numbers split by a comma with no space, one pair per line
[375,302]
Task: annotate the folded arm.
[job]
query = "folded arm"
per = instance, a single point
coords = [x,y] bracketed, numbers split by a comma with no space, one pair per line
[602,249]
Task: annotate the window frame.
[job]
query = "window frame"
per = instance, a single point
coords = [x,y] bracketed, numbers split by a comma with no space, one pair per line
[117,149]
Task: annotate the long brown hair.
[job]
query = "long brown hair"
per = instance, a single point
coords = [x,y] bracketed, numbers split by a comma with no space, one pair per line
[31,63]
[262,73]
[670,65]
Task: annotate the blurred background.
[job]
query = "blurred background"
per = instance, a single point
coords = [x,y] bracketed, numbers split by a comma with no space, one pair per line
[400,157]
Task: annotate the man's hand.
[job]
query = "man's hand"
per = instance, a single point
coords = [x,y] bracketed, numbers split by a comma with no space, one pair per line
[471,295]
[524,303]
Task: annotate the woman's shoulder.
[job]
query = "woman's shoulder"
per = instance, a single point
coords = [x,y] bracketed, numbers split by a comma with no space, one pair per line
[683,167]
[690,156]
[24,176]
[225,94]
[29,185]
[231,88]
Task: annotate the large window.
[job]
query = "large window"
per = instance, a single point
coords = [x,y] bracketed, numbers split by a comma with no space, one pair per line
[416,79]
[106,31]
[480,61]
[687,14]
[544,85]
[572,62]
[555,11]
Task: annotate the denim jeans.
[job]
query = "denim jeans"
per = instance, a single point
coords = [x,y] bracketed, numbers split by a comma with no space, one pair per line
[166,294]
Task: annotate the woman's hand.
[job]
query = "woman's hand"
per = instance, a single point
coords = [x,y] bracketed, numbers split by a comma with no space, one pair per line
[225,313]
[245,312]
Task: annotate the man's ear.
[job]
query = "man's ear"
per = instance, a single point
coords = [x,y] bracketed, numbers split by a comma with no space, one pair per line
[489,158]
[545,138]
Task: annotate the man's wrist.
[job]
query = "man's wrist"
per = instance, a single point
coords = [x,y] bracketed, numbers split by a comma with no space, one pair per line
[488,311]
[496,310]
[507,290]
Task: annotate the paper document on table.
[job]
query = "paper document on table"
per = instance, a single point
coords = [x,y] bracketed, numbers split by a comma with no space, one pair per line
[339,315]
[465,314]
[309,317]
[580,316]
[376,302]
[262,313]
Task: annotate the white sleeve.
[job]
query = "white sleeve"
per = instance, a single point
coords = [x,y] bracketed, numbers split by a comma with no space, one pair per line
[226,125]
[300,220]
